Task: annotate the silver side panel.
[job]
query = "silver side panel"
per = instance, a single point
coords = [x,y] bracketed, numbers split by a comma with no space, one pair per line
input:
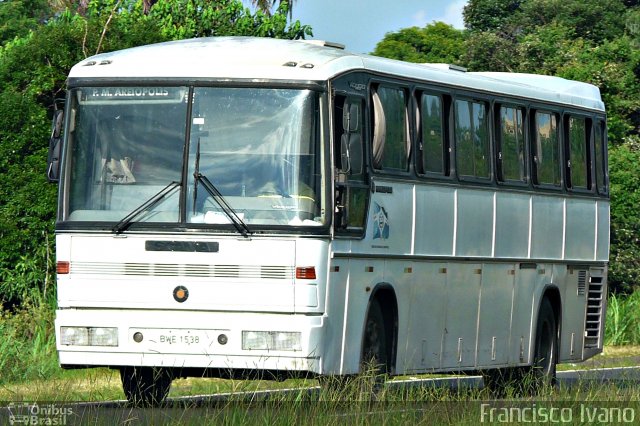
[469,268]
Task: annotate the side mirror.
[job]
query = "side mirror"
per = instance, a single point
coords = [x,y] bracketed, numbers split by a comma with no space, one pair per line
[345,156]
[55,147]
[351,117]
[355,153]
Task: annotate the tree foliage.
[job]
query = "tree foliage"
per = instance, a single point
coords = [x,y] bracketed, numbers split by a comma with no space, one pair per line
[436,42]
[38,48]
[18,17]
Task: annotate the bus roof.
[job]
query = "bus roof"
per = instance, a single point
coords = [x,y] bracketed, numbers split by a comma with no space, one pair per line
[260,59]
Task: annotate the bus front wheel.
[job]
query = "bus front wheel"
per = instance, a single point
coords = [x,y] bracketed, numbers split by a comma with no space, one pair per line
[145,386]
[374,357]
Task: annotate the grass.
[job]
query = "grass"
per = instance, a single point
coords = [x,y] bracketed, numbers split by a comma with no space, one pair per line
[101,384]
[357,404]
[622,325]
[30,373]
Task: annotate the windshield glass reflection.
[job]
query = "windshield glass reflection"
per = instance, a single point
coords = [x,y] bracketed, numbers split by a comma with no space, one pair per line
[259,147]
[126,144]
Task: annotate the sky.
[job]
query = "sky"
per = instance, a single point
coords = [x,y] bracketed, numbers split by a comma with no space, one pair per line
[361,24]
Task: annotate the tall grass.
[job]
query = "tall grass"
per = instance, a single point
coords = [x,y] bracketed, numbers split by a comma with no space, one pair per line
[622,325]
[27,342]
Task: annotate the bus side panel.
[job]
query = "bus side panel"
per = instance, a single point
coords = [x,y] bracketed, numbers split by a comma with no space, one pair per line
[474,236]
[580,230]
[602,243]
[512,225]
[460,333]
[526,280]
[494,327]
[435,220]
[546,228]
[336,308]
[364,275]
[425,318]
[573,311]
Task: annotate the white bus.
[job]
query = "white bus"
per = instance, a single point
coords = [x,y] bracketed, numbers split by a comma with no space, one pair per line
[239,206]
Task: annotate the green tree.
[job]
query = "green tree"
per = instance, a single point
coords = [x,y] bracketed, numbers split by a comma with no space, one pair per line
[489,15]
[265,6]
[436,42]
[202,18]
[18,17]
[624,267]
[595,20]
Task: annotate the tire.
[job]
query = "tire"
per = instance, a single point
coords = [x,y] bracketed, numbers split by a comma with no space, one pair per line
[543,370]
[374,359]
[145,386]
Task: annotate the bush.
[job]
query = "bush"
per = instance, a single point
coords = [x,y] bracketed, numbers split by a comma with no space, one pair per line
[27,347]
[624,267]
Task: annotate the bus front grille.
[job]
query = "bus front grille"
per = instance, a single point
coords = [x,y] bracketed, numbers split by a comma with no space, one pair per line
[183,270]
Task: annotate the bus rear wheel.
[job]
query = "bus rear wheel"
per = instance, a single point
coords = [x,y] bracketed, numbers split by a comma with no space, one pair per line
[543,370]
[145,386]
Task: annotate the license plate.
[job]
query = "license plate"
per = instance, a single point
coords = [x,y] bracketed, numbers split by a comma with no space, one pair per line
[175,340]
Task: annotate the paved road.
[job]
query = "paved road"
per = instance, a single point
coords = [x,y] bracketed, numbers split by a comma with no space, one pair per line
[620,375]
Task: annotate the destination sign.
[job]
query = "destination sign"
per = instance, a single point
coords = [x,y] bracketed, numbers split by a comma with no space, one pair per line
[107,94]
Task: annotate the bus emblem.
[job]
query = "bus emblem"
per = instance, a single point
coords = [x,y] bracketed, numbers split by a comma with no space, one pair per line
[180,294]
[380,222]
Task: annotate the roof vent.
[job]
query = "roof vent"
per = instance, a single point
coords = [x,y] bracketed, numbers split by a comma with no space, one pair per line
[451,67]
[325,43]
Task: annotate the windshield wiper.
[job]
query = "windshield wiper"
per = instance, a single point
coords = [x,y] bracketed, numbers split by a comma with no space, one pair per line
[224,205]
[147,205]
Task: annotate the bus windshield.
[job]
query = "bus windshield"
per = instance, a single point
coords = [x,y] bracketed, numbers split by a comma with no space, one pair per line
[257,148]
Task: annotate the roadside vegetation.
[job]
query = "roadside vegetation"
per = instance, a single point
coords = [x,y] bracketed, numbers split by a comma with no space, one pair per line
[303,402]
[589,40]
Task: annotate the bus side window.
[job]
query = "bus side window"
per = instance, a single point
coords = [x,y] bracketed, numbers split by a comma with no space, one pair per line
[391,142]
[473,157]
[511,146]
[546,152]
[600,159]
[577,161]
[432,141]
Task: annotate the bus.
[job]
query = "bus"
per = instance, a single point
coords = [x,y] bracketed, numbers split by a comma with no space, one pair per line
[241,207]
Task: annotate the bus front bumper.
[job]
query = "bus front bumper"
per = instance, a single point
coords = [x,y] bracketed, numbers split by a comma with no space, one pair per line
[189,339]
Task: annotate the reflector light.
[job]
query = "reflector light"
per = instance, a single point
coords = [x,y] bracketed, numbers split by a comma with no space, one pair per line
[306,273]
[62,268]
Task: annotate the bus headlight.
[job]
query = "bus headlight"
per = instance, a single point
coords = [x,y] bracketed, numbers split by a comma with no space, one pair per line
[271,340]
[89,336]
[74,336]
[103,336]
